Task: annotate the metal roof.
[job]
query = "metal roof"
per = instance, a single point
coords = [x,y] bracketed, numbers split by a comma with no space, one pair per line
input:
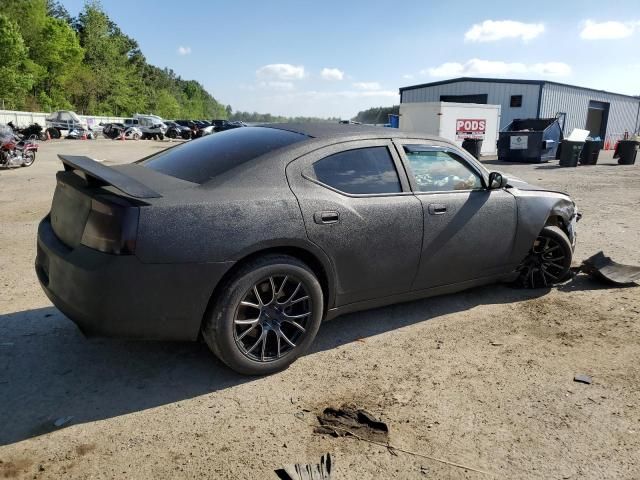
[510,80]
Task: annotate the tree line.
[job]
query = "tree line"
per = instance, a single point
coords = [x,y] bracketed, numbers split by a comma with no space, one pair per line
[52,61]
[254,117]
[376,115]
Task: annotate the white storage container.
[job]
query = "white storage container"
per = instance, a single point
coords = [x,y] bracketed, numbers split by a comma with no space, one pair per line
[454,122]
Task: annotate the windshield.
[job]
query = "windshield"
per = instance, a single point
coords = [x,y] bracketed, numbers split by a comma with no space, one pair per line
[201,160]
[5,132]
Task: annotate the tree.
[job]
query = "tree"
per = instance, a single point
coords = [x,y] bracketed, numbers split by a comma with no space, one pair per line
[56,10]
[15,79]
[30,15]
[59,52]
[377,115]
[52,61]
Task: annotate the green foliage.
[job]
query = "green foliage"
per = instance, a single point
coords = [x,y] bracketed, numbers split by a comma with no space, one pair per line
[255,117]
[379,115]
[52,61]
[15,76]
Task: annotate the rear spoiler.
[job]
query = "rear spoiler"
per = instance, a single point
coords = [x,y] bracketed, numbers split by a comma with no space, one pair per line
[102,175]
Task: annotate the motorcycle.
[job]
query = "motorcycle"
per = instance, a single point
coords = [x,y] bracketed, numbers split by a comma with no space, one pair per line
[33,129]
[15,152]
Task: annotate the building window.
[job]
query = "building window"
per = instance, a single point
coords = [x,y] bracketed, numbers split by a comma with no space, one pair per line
[516,101]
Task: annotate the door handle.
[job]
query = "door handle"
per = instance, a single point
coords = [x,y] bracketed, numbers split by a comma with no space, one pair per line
[437,208]
[327,217]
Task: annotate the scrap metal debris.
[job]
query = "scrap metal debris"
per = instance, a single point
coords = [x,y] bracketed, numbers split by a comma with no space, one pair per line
[349,419]
[603,268]
[62,421]
[582,379]
[299,471]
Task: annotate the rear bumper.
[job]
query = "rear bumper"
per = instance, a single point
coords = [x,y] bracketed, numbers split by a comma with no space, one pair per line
[118,295]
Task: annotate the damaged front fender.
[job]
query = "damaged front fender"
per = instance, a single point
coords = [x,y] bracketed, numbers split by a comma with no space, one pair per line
[536,209]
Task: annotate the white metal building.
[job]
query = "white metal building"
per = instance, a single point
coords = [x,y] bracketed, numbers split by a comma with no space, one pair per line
[604,114]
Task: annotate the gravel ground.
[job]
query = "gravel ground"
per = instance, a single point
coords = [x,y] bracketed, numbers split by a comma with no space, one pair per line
[482,378]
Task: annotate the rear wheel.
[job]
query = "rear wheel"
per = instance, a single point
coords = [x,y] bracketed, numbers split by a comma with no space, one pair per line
[266,316]
[549,260]
[172,134]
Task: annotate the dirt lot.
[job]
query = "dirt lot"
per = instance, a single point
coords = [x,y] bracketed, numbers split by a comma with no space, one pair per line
[482,378]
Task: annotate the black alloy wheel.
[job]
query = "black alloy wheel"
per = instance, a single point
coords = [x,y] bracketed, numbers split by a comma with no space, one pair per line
[272,318]
[265,315]
[549,260]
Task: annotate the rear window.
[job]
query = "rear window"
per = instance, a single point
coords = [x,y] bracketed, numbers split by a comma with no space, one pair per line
[201,160]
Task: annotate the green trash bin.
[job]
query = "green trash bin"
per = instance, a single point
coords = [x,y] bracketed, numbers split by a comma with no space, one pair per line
[590,152]
[473,146]
[570,153]
[626,152]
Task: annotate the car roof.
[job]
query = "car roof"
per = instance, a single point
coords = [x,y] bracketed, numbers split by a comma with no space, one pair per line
[336,131]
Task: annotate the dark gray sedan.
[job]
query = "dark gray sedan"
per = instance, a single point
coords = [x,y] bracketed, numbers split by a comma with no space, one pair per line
[251,237]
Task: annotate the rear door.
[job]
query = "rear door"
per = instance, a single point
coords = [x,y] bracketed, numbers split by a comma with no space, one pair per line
[469,229]
[358,207]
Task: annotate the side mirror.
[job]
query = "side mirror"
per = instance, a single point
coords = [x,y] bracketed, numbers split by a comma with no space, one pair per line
[497,180]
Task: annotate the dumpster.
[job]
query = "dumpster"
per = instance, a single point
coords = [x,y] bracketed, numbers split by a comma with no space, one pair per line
[394,121]
[626,152]
[590,152]
[473,146]
[531,140]
[570,153]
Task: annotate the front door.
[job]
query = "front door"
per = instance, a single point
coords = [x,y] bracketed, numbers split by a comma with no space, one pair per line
[358,207]
[469,230]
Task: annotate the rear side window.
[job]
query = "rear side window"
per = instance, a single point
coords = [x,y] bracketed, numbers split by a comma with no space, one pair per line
[360,171]
[201,160]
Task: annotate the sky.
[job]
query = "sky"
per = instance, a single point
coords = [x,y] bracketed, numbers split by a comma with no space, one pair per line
[331,58]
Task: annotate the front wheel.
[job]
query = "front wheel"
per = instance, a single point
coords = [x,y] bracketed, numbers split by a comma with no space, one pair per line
[549,260]
[266,315]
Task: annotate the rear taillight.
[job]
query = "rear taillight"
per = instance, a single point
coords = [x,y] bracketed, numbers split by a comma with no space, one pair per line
[112,225]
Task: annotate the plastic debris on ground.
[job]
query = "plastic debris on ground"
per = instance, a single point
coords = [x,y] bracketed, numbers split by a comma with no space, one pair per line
[601,267]
[299,471]
[349,419]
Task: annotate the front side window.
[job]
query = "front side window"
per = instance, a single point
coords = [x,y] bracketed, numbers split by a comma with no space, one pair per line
[360,171]
[440,171]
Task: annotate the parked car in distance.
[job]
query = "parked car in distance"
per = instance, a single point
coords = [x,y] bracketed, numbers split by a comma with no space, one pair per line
[222,125]
[249,238]
[151,126]
[175,130]
[115,130]
[63,120]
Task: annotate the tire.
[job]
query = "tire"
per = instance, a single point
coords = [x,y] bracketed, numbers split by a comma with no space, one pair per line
[276,277]
[185,135]
[549,260]
[54,132]
[145,136]
[172,134]
[32,158]
[160,136]
[135,136]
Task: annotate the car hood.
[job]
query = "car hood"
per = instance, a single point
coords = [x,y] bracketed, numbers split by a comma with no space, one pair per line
[520,184]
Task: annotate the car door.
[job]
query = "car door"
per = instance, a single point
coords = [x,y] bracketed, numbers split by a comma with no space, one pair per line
[469,229]
[358,207]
